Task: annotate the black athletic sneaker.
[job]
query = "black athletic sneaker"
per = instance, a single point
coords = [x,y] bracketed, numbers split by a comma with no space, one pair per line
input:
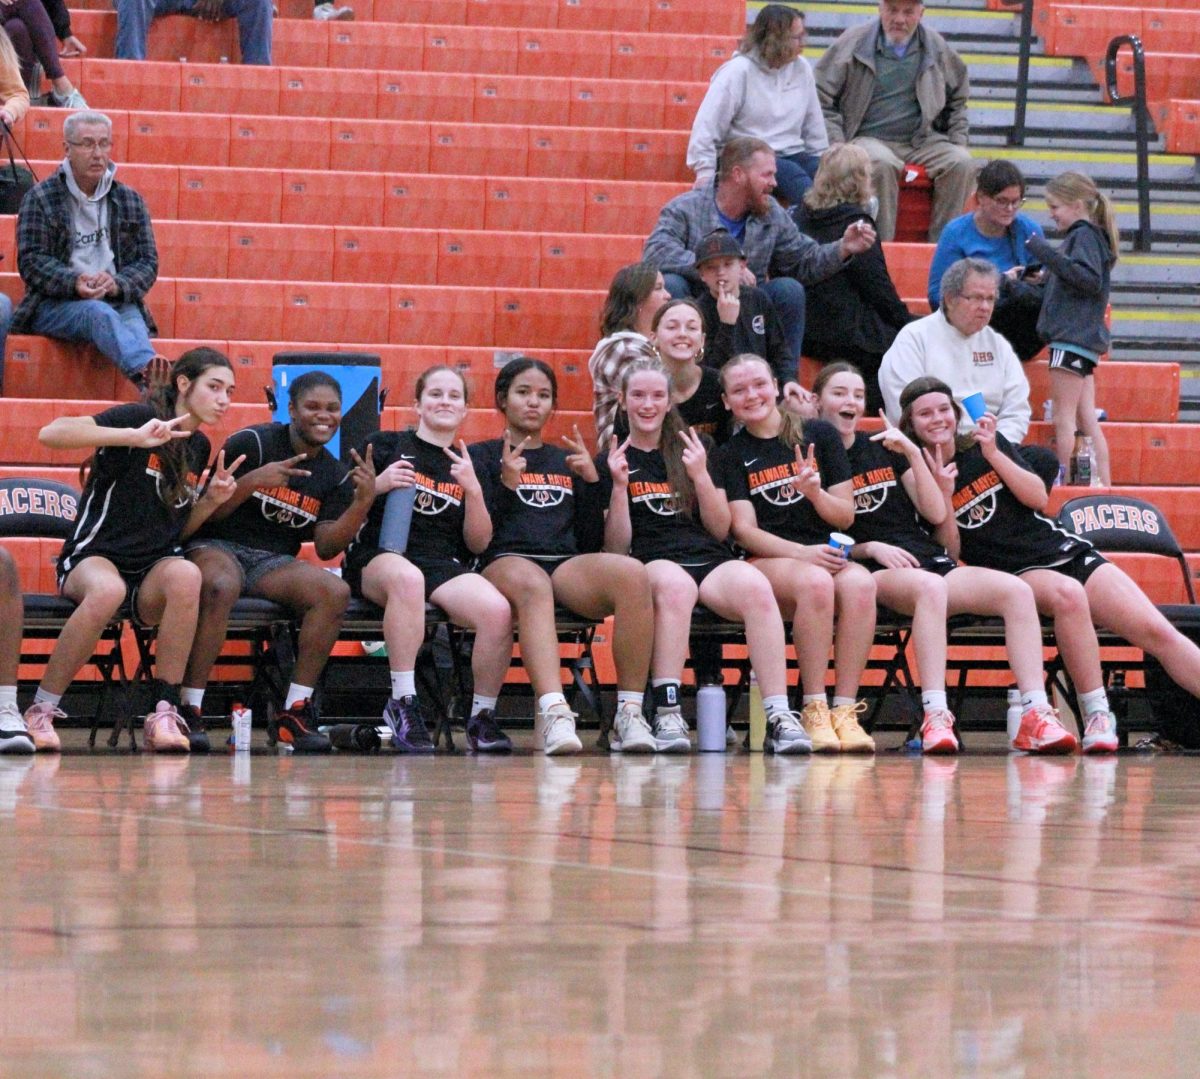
[295,726]
[197,733]
[410,732]
[484,734]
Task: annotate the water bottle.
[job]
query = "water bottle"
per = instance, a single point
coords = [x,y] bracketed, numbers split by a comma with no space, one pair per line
[710,719]
[1013,716]
[758,717]
[1089,453]
[242,719]
[1081,462]
[397,519]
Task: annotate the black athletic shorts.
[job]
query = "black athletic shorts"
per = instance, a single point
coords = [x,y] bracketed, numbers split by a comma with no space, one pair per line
[1080,567]
[1063,359]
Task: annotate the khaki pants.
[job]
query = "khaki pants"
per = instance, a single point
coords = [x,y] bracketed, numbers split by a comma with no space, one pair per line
[950,167]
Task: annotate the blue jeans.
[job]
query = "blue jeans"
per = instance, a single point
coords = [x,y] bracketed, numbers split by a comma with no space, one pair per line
[786,293]
[119,332]
[794,175]
[6,312]
[134,18]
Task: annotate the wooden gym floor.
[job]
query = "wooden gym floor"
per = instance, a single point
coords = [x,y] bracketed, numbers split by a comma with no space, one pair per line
[713,915]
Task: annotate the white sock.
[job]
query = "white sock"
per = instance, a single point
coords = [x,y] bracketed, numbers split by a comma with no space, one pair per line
[547,700]
[934,700]
[771,705]
[44,696]
[1035,698]
[8,695]
[627,696]
[1095,701]
[404,684]
[480,703]
[844,702]
[194,697]
[297,693]
[808,698]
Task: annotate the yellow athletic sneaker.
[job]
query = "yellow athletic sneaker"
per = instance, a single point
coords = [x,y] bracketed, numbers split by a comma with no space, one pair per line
[850,733]
[816,720]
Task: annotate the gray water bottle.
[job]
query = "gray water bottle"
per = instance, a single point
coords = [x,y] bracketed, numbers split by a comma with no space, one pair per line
[710,719]
[397,518]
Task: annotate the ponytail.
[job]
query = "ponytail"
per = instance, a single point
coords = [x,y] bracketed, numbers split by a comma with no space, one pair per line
[1075,187]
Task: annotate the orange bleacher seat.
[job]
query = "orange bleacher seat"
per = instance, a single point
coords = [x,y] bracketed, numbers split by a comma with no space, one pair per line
[564,54]
[1171,454]
[576,152]
[157,184]
[34,558]
[252,309]
[1170,31]
[1084,30]
[1158,577]
[472,49]
[629,16]
[229,194]
[417,201]
[170,138]
[375,46]
[527,318]
[1168,74]
[378,145]
[300,43]
[435,315]
[317,311]
[40,367]
[578,261]
[180,37]
[314,198]
[421,12]
[276,142]
[8,239]
[120,83]
[380,255]
[20,422]
[520,99]
[678,16]
[1125,442]
[229,88]
[475,150]
[657,155]
[269,252]
[425,95]
[40,134]
[613,103]
[681,100]
[1128,391]
[488,259]
[626,207]
[1180,123]
[97,28]
[311,91]
[519,13]
[192,248]
[671,57]
[526,204]
[252,363]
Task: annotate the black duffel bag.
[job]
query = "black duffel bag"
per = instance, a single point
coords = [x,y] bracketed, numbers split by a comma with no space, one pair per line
[14,180]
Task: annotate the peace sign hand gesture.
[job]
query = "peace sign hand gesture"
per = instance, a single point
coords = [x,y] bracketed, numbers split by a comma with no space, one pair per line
[695,456]
[618,463]
[808,477]
[279,473]
[512,462]
[363,476]
[893,438]
[579,460]
[220,480]
[462,469]
[945,474]
[157,432]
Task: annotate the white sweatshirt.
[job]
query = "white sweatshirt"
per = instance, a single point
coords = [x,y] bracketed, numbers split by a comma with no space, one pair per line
[745,97]
[983,363]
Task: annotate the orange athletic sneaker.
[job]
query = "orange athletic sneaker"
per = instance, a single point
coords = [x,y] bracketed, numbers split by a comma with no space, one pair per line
[937,732]
[1041,732]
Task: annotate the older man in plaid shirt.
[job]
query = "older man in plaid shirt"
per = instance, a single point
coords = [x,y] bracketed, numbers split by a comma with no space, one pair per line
[85,250]
[779,257]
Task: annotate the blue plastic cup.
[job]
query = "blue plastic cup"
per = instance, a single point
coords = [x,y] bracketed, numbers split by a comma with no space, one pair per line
[975,405]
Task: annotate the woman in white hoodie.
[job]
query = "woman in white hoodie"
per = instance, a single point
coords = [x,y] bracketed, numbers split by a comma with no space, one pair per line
[765,91]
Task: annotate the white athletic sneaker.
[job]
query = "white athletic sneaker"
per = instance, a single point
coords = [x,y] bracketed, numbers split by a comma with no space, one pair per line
[1100,733]
[559,730]
[671,733]
[631,733]
[14,735]
[786,734]
[328,13]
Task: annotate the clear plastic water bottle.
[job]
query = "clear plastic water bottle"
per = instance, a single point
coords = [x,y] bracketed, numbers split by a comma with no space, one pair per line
[1089,452]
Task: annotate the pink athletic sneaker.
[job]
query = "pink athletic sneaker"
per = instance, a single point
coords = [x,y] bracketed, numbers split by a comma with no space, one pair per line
[1100,733]
[39,721]
[937,732]
[164,730]
[1041,732]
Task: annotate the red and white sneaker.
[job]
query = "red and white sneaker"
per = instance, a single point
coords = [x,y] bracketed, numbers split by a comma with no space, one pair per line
[165,731]
[937,732]
[1100,733]
[39,722]
[1041,732]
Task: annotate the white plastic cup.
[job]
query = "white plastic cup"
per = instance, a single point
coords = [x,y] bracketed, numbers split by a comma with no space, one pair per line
[710,719]
[975,405]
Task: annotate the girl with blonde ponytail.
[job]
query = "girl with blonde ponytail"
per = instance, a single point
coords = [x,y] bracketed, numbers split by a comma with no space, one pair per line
[1072,317]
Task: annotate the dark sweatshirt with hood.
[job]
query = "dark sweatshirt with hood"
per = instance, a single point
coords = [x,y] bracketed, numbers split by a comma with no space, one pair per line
[1077,281]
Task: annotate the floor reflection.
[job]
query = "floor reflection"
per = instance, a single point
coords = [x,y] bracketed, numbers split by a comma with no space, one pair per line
[720,915]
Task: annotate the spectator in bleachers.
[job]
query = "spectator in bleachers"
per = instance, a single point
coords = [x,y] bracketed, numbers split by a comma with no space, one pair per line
[856,314]
[766,91]
[895,87]
[956,345]
[996,231]
[40,31]
[14,103]
[777,254]
[254,18]
[85,251]
[634,296]
[737,318]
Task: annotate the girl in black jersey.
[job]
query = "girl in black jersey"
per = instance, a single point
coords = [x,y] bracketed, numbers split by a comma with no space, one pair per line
[450,526]
[788,484]
[997,505]
[141,499]
[677,332]
[913,572]
[664,508]
[545,510]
